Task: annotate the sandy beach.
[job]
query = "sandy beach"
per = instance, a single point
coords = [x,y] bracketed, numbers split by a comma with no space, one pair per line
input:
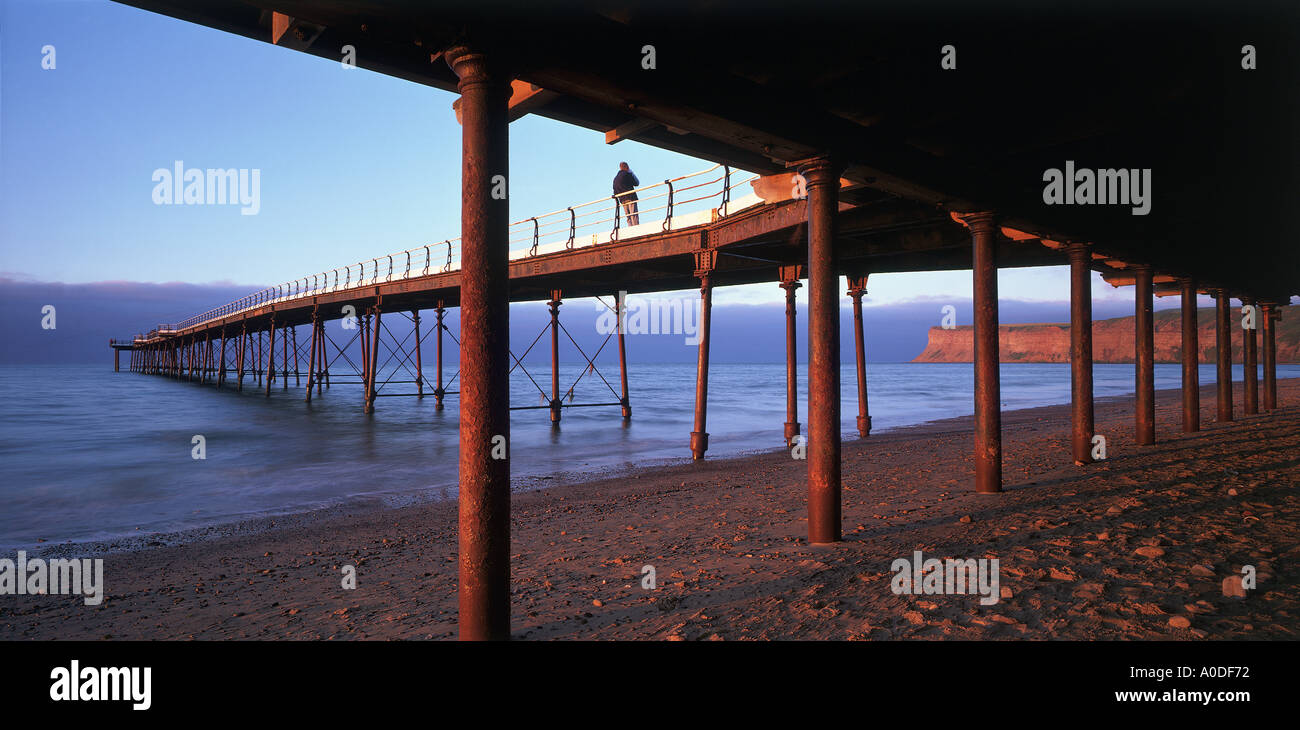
[1135,547]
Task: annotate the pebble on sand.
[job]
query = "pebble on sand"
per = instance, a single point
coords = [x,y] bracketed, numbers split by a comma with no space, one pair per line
[1233,588]
[1180,622]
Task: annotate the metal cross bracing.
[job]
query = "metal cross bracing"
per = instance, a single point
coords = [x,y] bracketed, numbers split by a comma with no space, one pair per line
[370,354]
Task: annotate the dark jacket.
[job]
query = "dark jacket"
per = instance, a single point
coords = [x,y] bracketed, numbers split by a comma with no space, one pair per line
[623,182]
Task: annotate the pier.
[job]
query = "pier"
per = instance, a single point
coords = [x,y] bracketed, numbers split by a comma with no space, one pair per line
[819,178]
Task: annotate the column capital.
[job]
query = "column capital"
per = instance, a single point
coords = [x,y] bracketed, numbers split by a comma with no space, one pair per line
[790,274]
[1078,251]
[821,170]
[857,285]
[477,65]
[979,221]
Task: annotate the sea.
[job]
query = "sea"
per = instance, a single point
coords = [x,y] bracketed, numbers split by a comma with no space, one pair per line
[88,454]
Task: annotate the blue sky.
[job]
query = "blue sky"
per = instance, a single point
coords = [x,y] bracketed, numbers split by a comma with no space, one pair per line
[353,164]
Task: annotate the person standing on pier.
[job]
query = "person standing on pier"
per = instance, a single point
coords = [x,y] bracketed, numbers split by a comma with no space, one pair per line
[624,183]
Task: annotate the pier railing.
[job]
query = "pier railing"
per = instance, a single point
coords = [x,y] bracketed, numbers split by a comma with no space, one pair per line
[681,202]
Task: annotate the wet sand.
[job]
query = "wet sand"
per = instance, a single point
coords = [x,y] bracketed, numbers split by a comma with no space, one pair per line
[1135,547]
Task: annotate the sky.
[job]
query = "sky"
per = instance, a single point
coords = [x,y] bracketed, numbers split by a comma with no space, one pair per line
[353,165]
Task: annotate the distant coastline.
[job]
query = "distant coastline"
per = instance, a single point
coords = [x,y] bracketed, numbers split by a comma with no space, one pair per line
[1112,340]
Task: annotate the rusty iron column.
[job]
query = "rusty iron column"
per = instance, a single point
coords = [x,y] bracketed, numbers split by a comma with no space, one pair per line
[117,360]
[620,313]
[1191,356]
[297,375]
[1223,343]
[419,363]
[485,345]
[822,176]
[372,367]
[1144,349]
[270,355]
[988,389]
[857,288]
[284,361]
[260,357]
[1270,356]
[1082,424]
[364,338]
[311,357]
[1250,356]
[439,392]
[700,435]
[239,356]
[323,376]
[790,283]
[554,305]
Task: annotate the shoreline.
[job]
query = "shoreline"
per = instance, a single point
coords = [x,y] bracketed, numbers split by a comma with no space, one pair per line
[728,539]
[378,502]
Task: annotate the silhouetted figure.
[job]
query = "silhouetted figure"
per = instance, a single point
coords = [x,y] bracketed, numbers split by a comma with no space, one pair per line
[624,182]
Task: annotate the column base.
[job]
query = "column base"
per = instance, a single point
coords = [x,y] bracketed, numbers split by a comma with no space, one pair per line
[699,444]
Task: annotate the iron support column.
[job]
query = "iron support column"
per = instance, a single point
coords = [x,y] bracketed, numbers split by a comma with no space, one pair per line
[439,392]
[1144,343]
[372,369]
[619,314]
[1270,357]
[1223,343]
[485,342]
[311,356]
[1191,356]
[270,356]
[988,389]
[823,445]
[790,282]
[1250,357]
[700,436]
[1081,402]
[857,288]
[554,305]
[419,363]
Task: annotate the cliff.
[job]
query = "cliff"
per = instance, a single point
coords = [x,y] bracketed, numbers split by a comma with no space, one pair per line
[1112,340]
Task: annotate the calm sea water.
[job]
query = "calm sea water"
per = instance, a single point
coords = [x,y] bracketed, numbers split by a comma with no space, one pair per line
[86,453]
